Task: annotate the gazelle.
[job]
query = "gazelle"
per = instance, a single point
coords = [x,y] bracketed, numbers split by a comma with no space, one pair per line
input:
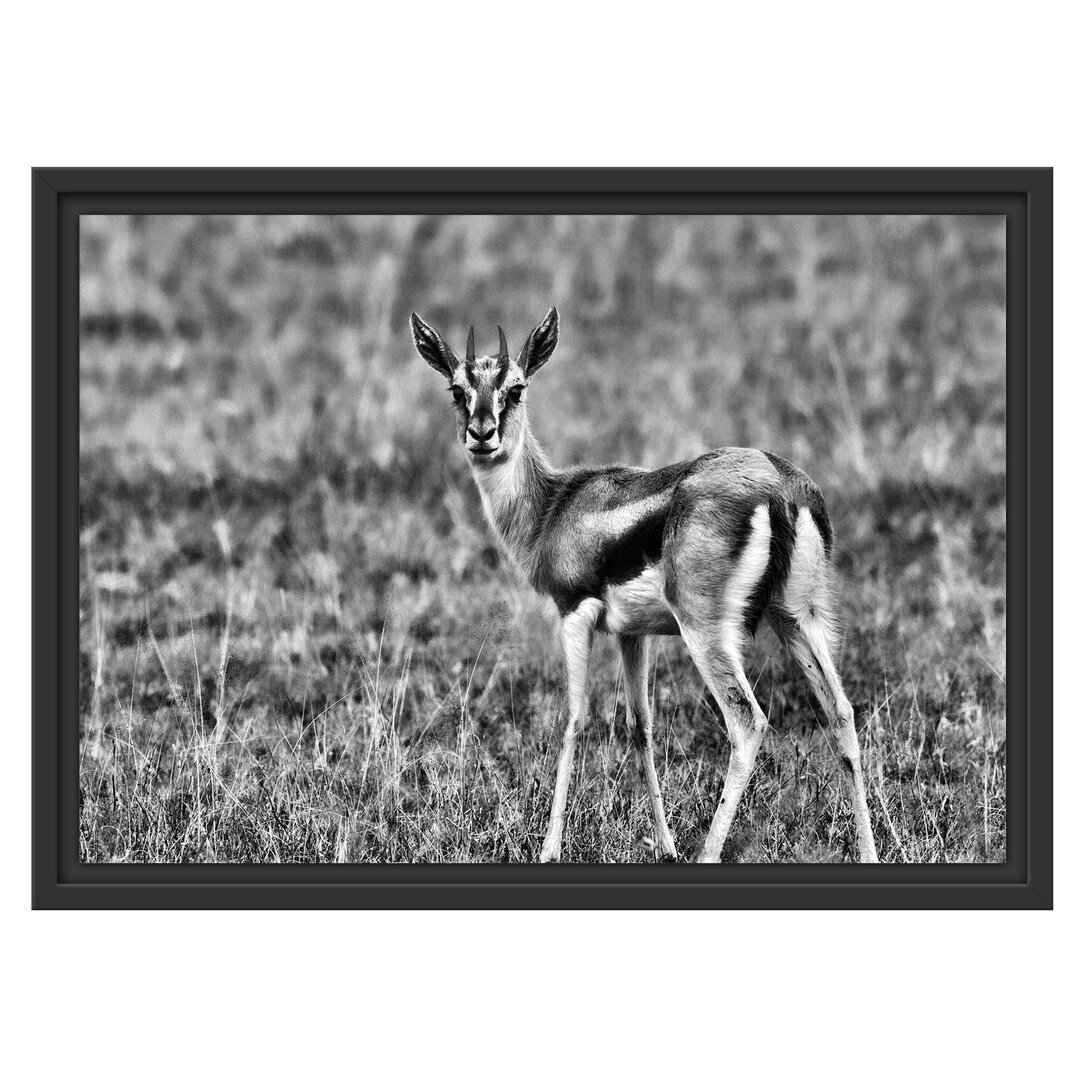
[705,549]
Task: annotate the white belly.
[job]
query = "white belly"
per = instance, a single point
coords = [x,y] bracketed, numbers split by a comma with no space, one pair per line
[637,606]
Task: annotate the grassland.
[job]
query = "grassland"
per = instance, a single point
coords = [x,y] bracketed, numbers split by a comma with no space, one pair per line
[298,640]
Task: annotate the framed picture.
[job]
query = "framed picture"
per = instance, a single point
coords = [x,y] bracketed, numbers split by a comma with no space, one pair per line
[532,538]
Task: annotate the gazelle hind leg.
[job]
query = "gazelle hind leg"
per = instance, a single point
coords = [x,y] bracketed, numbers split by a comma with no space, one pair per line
[635,658]
[803,619]
[577,635]
[809,639]
[721,668]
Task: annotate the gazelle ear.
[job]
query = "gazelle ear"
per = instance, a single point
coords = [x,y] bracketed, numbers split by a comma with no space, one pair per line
[541,343]
[432,347]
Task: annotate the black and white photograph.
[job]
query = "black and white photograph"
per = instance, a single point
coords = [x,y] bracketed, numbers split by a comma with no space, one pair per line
[530,538]
[539,538]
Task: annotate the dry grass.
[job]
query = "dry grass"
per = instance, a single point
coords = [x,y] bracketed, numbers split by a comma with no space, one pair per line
[299,642]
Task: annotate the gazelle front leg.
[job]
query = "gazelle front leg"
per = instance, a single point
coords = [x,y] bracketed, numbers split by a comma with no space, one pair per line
[577,635]
[635,658]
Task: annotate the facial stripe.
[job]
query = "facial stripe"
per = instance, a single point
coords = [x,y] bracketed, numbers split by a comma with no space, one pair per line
[486,382]
[484,407]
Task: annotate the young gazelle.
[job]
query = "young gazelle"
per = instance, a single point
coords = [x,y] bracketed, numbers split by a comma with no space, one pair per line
[705,548]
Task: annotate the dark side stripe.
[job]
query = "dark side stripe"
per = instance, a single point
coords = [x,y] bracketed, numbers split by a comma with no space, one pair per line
[617,561]
[782,518]
[633,551]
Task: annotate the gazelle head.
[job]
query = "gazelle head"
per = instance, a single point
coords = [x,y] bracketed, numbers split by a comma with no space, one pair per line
[488,391]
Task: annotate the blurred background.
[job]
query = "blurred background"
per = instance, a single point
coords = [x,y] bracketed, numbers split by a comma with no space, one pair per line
[299,640]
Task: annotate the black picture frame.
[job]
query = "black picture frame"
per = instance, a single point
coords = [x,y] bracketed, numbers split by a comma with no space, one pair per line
[1024,196]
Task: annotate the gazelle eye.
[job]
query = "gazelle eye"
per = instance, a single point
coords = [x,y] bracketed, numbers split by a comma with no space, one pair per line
[459,394]
[513,395]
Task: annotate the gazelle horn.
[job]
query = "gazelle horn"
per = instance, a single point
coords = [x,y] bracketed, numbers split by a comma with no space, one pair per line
[470,348]
[504,352]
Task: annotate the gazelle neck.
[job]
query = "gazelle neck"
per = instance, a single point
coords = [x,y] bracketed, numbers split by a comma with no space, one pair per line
[515,491]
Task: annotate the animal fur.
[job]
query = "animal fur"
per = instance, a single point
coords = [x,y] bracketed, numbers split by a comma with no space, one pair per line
[705,548]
